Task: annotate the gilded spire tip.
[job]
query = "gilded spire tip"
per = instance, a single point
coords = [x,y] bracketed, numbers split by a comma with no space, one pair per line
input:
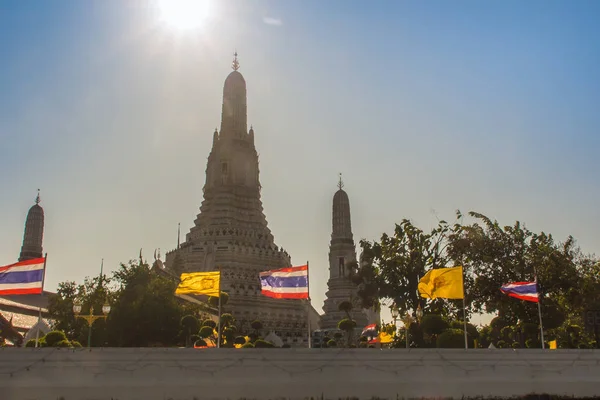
[235,65]
[340,183]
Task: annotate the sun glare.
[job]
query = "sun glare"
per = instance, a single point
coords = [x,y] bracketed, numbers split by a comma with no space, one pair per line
[183,14]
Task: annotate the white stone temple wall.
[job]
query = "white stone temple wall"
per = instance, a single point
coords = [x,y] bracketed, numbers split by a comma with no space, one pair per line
[162,374]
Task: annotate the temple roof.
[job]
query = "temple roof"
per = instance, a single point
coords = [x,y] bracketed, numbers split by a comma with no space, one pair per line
[30,302]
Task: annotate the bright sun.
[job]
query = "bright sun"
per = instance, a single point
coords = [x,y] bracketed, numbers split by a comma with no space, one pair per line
[183,14]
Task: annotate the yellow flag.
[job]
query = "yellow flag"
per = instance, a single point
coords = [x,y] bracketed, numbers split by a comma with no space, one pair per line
[552,344]
[207,283]
[385,338]
[446,283]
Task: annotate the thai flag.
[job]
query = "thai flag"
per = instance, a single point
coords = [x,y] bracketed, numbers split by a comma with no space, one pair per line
[527,291]
[285,283]
[370,331]
[26,277]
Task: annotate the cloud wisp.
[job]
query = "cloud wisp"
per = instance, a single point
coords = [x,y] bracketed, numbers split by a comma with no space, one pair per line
[272,21]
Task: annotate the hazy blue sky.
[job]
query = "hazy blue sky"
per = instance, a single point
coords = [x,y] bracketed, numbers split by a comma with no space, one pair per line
[425,106]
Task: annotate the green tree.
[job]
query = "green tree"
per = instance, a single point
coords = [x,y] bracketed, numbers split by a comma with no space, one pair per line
[60,308]
[568,280]
[145,310]
[93,293]
[391,268]
[498,255]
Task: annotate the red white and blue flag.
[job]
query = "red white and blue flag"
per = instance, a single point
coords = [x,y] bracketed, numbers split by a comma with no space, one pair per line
[527,291]
[285,283]
[25,277]
[370,331]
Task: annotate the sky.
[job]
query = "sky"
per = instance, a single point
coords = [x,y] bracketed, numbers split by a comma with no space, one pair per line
[426,107]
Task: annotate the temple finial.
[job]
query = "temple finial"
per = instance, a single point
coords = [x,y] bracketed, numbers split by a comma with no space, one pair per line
[37,199]
[341,183]
[235,65]
[101,271]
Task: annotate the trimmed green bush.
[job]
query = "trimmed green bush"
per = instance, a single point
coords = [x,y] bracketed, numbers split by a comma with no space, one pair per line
[214,301]
[433,324]
[54,337]
[533,344]
[256,325]
[206,331]
[346,324]
[240,340]
[263,344]
[451,339]
[210,322]
[471,329]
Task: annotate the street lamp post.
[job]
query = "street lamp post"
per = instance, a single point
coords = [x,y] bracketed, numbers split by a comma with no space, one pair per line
[407,321]
[90,318]
[395,312]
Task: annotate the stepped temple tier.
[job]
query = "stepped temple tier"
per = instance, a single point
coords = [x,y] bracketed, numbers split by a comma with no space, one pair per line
[231,231]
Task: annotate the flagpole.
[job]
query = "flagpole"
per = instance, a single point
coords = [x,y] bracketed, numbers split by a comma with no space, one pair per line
[464,307]
[37,334]
[541,326]
[308,306]
[219,326]
[537,289]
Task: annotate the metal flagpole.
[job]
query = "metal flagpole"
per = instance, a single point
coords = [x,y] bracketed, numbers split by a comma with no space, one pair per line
[537,289]
[219,326]
[462,268]
[541,325]
[37,334]
[308,306]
